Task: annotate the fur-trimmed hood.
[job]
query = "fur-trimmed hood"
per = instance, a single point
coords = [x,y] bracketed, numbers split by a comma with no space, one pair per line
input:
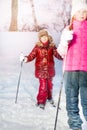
[42,45]
[50,39]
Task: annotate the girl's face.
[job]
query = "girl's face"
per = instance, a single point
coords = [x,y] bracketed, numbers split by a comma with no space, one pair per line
[44,39]
[81,15]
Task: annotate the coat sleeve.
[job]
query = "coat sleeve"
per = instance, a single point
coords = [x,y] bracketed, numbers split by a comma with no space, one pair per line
[32,54]
[56,54]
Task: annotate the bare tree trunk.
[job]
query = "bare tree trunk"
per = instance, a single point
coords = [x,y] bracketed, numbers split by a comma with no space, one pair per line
[14,15]
[34,16]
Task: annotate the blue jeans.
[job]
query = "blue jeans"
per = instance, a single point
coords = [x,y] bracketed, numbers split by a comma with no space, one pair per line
[75,82]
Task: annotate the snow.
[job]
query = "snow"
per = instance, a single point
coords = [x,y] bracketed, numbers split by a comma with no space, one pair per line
[5,14]
[24,114]
[48,14]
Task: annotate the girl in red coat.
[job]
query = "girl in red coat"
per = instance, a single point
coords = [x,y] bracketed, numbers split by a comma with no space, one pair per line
[44,52]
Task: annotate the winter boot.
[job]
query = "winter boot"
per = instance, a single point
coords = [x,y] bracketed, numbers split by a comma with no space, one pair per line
[51,101]
[42,106]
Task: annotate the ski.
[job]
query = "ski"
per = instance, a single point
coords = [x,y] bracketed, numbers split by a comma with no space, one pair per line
[51,102]
[53,105]
[41,106]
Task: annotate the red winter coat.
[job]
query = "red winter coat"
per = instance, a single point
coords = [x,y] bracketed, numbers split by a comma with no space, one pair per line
[44,63]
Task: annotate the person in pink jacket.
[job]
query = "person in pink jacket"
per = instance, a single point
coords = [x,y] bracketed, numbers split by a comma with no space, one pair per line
[44,52]
[73,48]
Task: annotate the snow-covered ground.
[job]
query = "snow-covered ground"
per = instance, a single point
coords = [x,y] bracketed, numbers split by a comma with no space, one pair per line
[25,115]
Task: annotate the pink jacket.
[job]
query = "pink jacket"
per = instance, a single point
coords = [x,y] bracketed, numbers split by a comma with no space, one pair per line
[76,58]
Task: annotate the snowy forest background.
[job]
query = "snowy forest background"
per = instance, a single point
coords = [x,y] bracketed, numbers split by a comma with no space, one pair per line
[19,25]
[33,15]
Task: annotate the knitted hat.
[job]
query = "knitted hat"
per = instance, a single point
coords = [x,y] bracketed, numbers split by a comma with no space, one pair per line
[42,33]
[78,5]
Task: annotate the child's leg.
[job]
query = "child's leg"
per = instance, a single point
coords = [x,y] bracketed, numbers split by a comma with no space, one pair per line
[42,94]
[49,88]
[71,84]
[83,92]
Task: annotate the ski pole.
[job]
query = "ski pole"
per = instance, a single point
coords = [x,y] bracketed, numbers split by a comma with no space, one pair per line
[58,104]
[18,82]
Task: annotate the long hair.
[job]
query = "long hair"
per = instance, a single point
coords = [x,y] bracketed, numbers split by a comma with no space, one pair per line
[71,23]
